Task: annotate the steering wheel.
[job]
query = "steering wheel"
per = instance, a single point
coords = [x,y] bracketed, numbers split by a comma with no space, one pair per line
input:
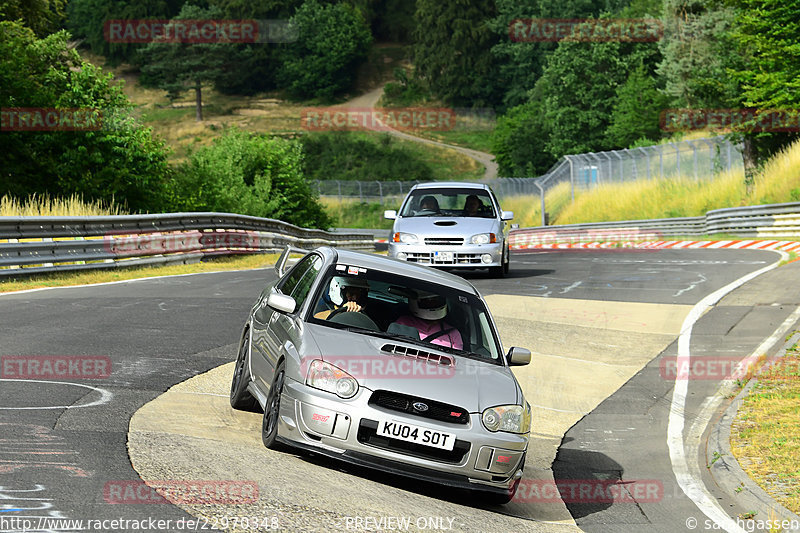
[335,312]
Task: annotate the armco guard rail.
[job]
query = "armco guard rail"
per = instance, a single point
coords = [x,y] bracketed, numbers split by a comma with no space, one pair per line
[30,245]
[761,222]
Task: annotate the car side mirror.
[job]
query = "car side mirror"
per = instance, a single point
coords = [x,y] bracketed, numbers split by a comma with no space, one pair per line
[390,214]
[281,303]
[507,215]
[518,356]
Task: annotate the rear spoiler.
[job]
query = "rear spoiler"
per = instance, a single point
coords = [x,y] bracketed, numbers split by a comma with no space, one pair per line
[280,266]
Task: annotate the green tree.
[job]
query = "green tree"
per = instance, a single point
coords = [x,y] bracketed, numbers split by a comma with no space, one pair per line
[768,31]
[252,175]
[452,51]
[519,141]
[579,89]
[520,63]
[250,68]
[178,67]
[765,34]
[42,16]
[119,161]
[637,110]
[333,41]
[697,54]
[86,19]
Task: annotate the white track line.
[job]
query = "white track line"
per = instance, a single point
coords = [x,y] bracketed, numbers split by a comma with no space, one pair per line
[690,484]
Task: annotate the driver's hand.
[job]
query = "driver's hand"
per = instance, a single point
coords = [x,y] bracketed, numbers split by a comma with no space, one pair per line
[352,307]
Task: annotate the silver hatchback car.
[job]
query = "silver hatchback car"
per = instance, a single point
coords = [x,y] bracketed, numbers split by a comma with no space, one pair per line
[387,365]
[452,225]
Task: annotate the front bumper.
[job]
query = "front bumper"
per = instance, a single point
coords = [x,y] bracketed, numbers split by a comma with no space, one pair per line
[463,256]
[345,429]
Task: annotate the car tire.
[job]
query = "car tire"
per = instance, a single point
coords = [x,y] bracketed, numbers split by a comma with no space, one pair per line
[240,397]
[272,409]
[502,270]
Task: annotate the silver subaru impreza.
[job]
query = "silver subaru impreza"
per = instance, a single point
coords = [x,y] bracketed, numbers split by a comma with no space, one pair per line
[387,365]
[451,225]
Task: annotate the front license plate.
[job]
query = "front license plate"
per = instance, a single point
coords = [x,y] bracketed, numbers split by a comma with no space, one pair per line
[443,257]
[416,434]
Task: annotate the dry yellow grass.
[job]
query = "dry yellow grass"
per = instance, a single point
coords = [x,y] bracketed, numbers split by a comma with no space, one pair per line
[527,208]
[765,436]
[778,182]
[44,205]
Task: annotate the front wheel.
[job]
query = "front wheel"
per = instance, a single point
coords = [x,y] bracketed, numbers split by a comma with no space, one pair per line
[272,409]
[240,397]
[502,270]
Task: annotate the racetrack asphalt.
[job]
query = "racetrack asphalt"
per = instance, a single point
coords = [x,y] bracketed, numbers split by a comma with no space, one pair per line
[594,321]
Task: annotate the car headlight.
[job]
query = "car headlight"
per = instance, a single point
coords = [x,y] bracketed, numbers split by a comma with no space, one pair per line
[325,376]
[405,238]
[510,418]
[483,238]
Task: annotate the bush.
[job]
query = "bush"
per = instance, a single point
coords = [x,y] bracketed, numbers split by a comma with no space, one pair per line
[251,175]
[352,156]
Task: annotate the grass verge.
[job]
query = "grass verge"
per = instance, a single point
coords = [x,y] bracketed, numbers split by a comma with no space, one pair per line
[765,436]
[101,276]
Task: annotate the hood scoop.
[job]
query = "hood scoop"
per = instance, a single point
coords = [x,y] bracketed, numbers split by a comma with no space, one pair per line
[445,223]
[422,355]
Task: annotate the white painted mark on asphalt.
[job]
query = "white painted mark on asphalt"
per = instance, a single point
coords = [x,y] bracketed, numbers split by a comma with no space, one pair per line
[105,396]
[701,279]
[691,484]
[573,286]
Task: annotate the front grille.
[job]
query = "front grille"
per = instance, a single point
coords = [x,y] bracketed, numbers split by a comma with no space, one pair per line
[458,259]
[447,241]
[405,404]
[368,434]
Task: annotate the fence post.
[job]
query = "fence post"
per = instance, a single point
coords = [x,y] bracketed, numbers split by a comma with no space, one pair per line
[694,151]
[728,143]
[339,185]
[571,177]
[621,170]
[647,157]
[541,196]
[380,190]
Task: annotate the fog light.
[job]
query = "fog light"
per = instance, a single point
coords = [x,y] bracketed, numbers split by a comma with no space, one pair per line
[486,258]
[402,256]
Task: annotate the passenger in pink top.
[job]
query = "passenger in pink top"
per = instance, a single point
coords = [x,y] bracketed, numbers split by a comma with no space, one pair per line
[428,314]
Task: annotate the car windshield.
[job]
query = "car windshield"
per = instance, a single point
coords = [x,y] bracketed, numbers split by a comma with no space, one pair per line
[448,202]
[411,310]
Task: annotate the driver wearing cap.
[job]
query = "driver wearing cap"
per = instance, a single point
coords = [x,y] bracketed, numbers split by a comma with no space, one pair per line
[427,317]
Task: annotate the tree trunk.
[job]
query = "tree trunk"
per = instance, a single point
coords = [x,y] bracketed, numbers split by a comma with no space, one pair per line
[198,100]
[749,161]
